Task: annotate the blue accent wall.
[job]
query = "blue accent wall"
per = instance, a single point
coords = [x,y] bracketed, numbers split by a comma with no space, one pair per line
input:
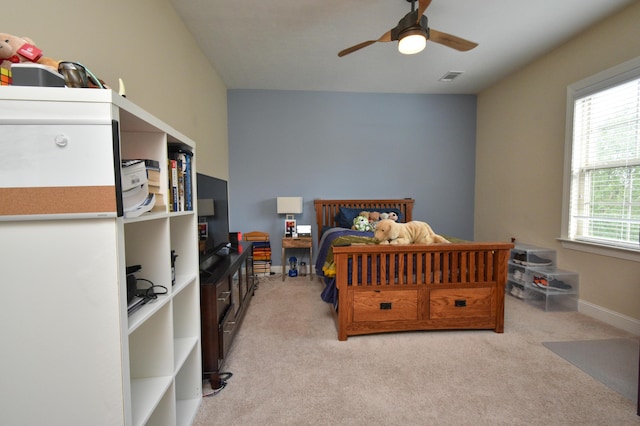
[350,145]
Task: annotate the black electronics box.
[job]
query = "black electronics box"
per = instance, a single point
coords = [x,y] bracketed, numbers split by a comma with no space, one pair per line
[234,239]
[132,281]
[35,75]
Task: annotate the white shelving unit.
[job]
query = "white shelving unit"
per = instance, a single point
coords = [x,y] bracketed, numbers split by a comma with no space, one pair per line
[71,354]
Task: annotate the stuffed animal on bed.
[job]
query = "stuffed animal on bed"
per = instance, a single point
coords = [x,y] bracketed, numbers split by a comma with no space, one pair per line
[374,216]
[364,214]
[414,232]
[391,215]
[361,223]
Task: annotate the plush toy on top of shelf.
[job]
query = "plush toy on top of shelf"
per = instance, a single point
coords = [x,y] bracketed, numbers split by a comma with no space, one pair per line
[17,50]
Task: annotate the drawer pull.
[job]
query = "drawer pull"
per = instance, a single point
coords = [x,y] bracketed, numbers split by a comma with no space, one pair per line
[461,303]
[385,306]
[224,296]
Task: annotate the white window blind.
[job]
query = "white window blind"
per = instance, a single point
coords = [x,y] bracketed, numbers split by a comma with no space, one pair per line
[604,205]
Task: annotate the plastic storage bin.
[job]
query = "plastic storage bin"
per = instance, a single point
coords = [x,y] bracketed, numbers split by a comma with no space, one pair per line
[551,289]
[516,272]
[551,302]
[532,256]
[515,279]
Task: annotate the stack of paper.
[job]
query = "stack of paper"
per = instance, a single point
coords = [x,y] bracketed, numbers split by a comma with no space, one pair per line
[136,198]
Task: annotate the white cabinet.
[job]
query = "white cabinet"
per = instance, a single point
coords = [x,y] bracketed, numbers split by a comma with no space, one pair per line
[71,354]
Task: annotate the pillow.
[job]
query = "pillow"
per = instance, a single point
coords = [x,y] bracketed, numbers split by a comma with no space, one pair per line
[345,216]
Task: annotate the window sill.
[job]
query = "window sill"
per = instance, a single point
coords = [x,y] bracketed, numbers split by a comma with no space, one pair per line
[617,252]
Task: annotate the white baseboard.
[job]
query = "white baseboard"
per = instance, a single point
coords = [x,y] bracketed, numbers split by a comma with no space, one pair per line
[610,317]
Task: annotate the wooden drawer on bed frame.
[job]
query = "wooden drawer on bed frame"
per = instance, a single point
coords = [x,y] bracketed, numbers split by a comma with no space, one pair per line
[388,305]
[405,304]
[461,303]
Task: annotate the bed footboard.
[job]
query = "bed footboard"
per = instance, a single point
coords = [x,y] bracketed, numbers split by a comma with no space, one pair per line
[388,288]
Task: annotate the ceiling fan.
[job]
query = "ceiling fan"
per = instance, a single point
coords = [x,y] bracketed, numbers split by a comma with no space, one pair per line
[412,33]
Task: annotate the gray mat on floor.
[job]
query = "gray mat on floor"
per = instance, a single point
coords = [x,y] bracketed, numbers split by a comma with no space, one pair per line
[614,362]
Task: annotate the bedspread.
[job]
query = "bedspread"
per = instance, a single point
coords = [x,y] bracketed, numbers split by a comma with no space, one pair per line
[325,267]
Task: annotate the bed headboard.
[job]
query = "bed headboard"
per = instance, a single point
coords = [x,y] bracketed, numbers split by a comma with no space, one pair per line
[326,210]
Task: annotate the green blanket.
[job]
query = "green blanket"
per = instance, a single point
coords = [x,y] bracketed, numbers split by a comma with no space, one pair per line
[329,267]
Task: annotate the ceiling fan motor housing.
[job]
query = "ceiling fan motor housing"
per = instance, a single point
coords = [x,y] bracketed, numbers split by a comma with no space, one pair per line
[409,23]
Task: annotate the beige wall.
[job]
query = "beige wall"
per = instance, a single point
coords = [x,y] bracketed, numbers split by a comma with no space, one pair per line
[145,43]
[520,154]
[520,120]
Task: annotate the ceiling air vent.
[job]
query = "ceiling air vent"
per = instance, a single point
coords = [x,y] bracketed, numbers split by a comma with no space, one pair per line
[450,76]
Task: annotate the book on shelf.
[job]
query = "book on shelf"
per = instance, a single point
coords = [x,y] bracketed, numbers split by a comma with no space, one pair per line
[153,177]
[151,164]
[188,186]
[261,244]
[261,267]
[181,191]
[173,185]
[261,250]
[153,171]
[183,159]
[160,205]
[261,253]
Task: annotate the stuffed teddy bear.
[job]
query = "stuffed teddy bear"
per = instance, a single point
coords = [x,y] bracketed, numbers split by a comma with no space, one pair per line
[16,50]
[374,216]
[361,223]
[371,216]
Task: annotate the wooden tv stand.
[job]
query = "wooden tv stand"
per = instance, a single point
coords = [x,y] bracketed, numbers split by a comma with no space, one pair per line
[225,293]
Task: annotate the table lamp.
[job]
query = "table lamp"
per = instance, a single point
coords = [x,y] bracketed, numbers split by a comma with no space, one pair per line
[289,206]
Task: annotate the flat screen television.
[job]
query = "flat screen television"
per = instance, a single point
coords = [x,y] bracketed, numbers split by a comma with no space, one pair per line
[211,188]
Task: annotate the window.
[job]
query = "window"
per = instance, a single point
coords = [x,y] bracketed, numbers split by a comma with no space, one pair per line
[602,168]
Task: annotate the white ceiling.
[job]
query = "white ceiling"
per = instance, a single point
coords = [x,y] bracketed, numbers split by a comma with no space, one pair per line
[293,44]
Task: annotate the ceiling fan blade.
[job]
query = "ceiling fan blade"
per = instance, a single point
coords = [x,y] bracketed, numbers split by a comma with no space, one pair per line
[451,40]
[384,37]
[422,6]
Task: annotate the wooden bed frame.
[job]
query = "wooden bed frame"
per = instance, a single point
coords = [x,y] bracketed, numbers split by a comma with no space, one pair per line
[416,287]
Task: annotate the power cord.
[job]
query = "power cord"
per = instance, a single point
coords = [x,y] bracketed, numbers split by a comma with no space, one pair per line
[223,378]
[150,292]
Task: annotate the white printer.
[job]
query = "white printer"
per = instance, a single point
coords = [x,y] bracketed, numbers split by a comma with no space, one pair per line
[136,198]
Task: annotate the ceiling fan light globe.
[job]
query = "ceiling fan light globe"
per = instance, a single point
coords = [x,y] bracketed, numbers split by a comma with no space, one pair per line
[412,41]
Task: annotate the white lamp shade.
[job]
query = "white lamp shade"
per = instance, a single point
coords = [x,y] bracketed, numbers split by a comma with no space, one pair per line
[289,205]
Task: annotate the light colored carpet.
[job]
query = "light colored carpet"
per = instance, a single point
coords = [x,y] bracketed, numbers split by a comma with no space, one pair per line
[290,369]
[613,362]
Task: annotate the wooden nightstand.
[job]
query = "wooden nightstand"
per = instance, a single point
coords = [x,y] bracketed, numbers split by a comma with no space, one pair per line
[297,242]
